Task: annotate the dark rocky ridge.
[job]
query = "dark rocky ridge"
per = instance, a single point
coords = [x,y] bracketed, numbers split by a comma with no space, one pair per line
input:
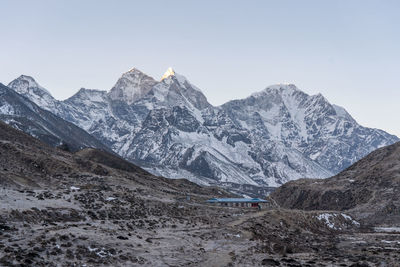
[369,189]
[26,161]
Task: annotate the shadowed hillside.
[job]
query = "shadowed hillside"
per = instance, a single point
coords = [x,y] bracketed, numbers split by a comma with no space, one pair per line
[370,189]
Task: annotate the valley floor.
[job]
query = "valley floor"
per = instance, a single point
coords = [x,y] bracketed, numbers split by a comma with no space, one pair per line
[124,226]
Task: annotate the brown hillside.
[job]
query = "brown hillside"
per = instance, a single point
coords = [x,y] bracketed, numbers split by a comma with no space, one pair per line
[370,189]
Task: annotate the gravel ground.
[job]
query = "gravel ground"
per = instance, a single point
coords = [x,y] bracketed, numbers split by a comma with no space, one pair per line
[119,227]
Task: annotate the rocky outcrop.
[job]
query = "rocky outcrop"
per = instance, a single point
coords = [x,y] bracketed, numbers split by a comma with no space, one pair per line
[369,189]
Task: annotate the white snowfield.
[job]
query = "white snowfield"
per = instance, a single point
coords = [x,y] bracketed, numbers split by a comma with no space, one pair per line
[169,127]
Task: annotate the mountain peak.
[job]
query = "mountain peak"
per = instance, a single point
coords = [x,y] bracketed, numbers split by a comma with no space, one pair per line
[283,87]
[133,71]
[133,85]
[27,78]
[93,95]
[28,87]
[25,83]
[278,88]
[169,72]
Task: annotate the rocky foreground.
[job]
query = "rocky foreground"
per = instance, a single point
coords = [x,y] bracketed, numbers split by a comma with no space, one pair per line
[122,225]
[92,208]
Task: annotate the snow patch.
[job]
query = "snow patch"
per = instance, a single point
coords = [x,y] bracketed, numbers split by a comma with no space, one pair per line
[328,219]
[387,229]
[348,218]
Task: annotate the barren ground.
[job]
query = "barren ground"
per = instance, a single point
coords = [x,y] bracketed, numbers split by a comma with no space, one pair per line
[122,227]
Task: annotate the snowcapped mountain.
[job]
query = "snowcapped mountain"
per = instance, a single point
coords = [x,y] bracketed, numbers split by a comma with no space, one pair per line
[21,113]
[169,127]
[28,87]
[320,131]
[132,86]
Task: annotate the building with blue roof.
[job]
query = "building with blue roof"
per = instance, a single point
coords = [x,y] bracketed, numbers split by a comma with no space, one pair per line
[238,202]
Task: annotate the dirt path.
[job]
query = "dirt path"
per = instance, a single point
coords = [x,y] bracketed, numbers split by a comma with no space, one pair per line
[216,259]
[246,217]
[220,256]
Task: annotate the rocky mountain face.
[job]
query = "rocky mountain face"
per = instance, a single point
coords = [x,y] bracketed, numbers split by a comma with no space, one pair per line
[320,131]
[23,114]
[369,189]
[169,128]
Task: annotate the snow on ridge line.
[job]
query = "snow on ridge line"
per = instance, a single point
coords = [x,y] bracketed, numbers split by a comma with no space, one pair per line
[169,72]
[32,83]
[277,87]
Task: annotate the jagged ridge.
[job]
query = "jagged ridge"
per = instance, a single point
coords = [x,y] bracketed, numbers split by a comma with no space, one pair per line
[267,139]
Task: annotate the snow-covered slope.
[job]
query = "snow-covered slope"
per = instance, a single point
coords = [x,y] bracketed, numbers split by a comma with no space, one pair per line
[21,113]
[320,131]
[28,87]
[169,127]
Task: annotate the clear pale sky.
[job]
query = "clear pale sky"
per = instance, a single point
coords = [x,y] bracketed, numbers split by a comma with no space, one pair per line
[347,50]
